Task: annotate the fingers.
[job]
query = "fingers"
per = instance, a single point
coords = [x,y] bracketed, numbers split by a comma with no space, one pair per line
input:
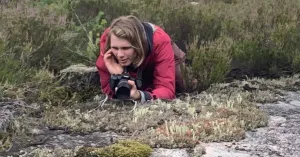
[134,93]
[109,58]
[132,83]
[108,54]
[109,51]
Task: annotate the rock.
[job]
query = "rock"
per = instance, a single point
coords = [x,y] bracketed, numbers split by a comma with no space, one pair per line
[199,150]
[280,138]
[7,111]
[6,117]
[81,79]
[220,150]
[161,152]
[79,75]
[35,131]
[295,103]
[276,121]
[79,68]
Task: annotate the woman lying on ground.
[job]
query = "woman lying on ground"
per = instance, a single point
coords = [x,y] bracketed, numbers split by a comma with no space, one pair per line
[144,52]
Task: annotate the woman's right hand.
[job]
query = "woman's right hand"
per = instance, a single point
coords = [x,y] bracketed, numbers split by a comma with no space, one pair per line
[111,63]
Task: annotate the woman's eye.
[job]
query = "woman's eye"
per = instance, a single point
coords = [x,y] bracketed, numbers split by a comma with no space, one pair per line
[125,48]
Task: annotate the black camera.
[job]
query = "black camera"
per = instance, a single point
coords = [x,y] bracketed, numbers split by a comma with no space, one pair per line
[120,81]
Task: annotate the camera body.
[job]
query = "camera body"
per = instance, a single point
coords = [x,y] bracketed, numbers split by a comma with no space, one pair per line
[120,81]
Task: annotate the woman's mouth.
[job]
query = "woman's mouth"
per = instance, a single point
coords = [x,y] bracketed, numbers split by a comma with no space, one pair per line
[123,61]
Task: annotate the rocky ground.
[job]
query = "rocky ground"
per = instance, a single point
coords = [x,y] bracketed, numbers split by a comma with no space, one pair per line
[280,138]
[42,130]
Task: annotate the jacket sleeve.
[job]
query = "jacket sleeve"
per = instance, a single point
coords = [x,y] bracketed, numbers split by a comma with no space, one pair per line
[102,70]
[164,71]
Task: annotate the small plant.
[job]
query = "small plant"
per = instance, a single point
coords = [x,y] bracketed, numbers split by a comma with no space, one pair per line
[5,141]
[124,148]
[209,63]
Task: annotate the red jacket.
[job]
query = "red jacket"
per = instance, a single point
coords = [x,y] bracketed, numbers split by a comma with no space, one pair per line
[159,68]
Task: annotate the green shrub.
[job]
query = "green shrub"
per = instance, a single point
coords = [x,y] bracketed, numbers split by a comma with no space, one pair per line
[264,35]
[210,63]
[12,71]
[34,32]
[126,148]
[266,44]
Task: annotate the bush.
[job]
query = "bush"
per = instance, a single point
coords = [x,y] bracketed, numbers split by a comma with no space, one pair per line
[126,148]
[210,63]
[264,35]
[35,32]
[12,72]
[266,42]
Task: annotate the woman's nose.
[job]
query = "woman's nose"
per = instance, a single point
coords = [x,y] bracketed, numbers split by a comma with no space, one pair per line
[120,53]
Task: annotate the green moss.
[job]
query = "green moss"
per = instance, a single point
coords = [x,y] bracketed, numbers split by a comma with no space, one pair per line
[5,141]
[57,95]
[126,148]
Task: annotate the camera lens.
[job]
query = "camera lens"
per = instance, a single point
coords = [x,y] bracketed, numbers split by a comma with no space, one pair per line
[123,89]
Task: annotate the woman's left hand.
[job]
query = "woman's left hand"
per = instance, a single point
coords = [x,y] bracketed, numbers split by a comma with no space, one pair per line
[134,93]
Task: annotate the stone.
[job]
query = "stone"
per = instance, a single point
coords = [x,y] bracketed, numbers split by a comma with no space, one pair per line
[36,131]
[276,121]
[6,117]
[199,150]
[161,152]
[219,149]
[81,79]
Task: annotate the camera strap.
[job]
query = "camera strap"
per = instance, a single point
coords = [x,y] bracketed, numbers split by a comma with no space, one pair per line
[149,30]
[139,77]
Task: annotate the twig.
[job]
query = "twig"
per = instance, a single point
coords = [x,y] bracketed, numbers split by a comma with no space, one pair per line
[102,103]
[134,133]
[41,142]
[229,95]
[82,26]
[134,107]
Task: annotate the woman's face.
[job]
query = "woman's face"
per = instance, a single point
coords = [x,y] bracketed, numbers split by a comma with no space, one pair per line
[123,50]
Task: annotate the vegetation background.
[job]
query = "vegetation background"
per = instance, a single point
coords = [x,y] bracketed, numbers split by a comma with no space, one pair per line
[222,38]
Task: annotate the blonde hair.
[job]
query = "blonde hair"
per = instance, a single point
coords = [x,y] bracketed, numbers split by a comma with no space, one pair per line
[130,28]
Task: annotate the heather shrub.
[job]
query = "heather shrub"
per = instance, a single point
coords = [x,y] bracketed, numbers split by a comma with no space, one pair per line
[210,63]
[263,37]
[33,32]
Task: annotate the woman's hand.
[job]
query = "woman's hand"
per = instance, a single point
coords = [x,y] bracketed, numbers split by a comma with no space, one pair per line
[111,63]
[134,93]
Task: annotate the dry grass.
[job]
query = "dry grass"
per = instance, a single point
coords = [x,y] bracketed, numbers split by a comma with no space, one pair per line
[181,123]
[47,152]
[222,113]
